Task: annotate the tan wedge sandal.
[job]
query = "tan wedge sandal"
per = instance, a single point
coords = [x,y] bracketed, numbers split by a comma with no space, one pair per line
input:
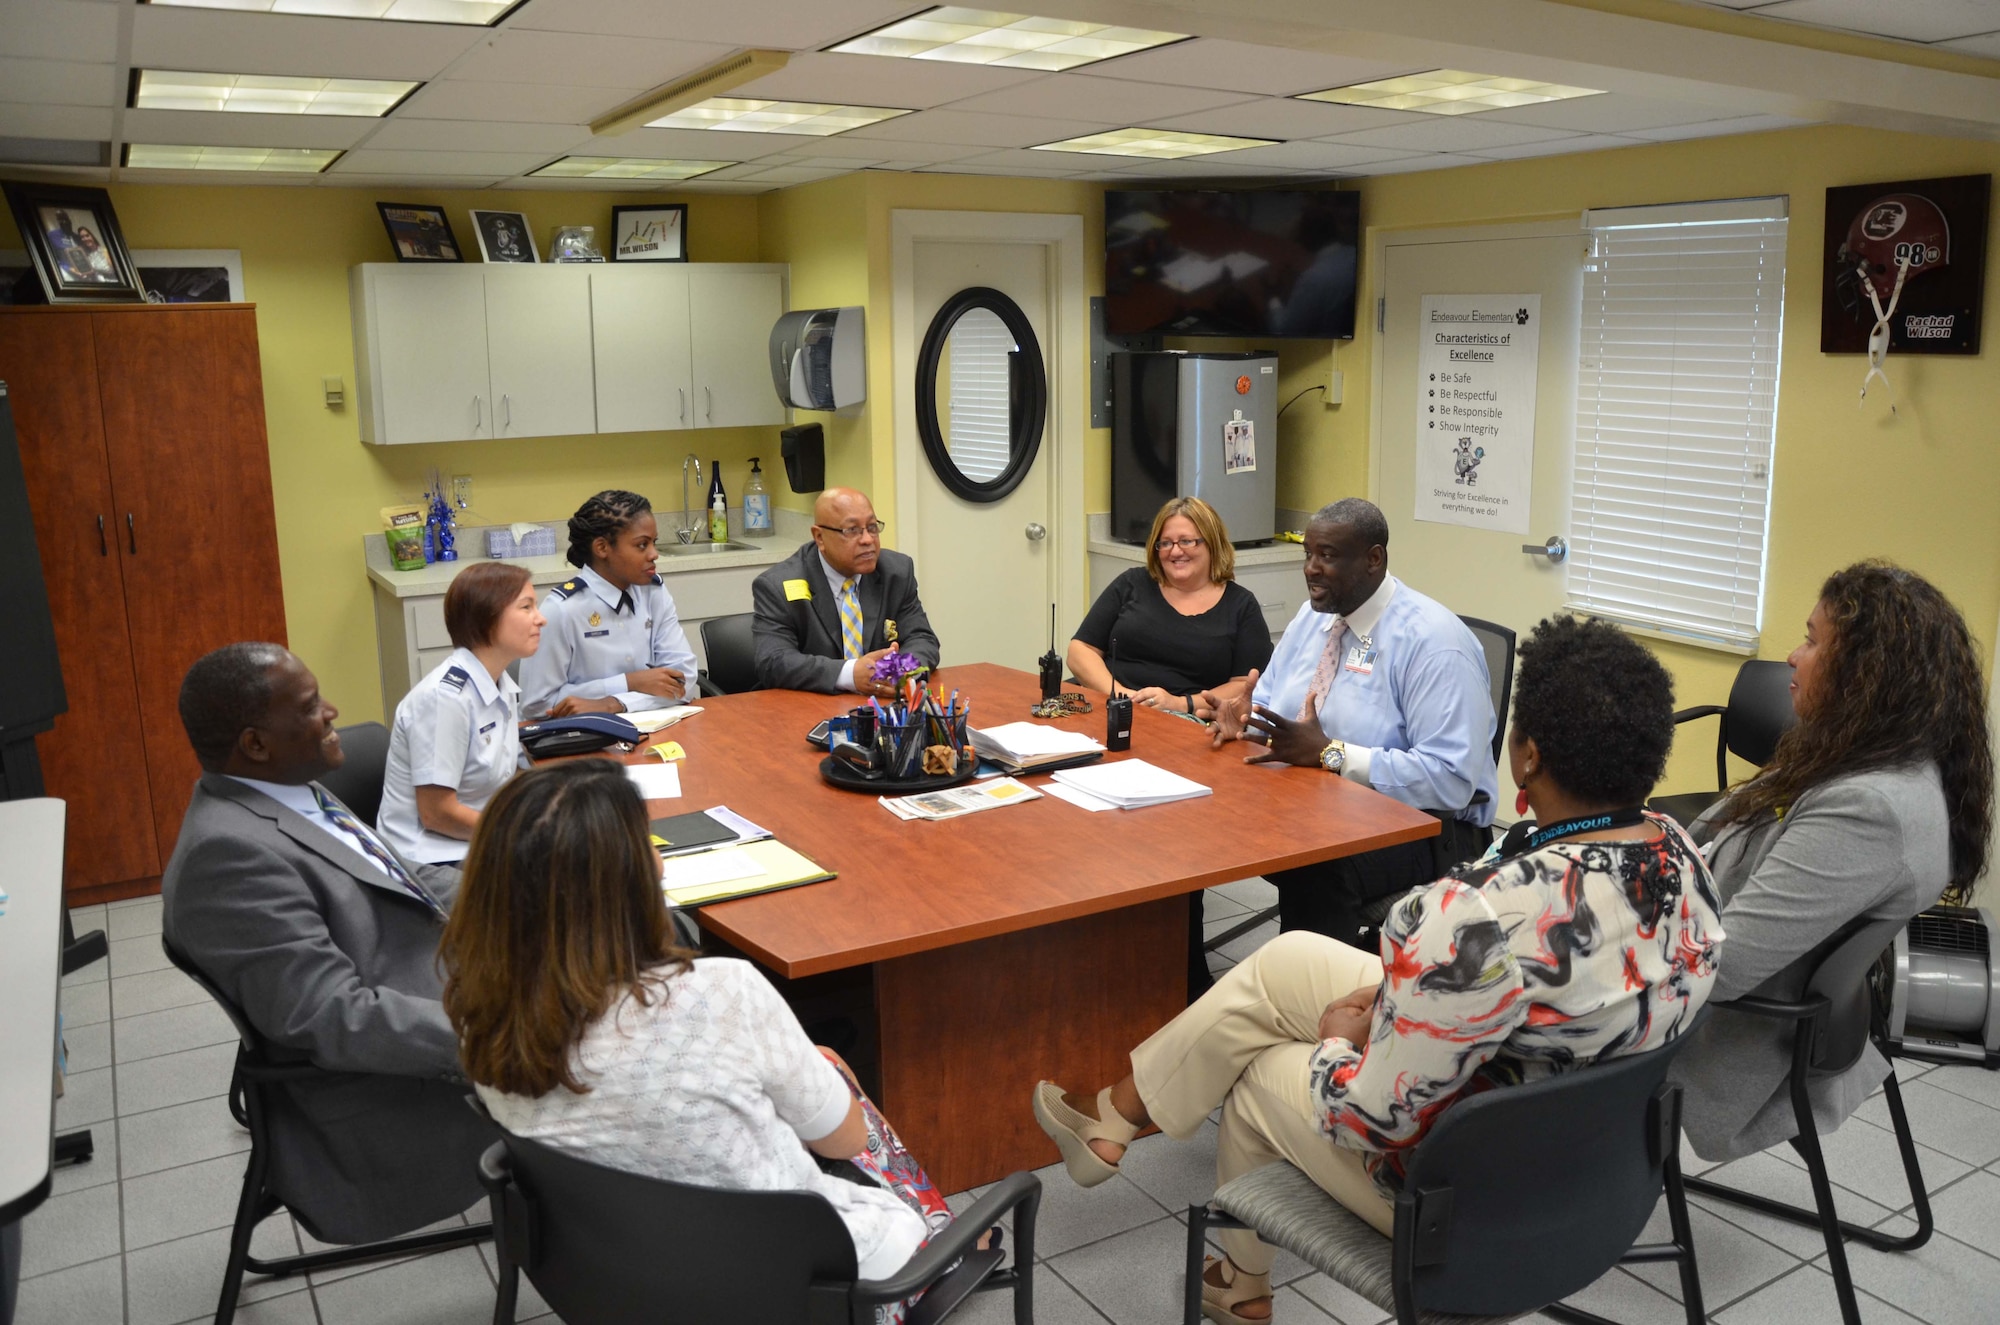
[1219,1303]
[1073,1132]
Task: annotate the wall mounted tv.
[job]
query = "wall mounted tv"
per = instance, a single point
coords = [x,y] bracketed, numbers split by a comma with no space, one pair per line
[1214,263]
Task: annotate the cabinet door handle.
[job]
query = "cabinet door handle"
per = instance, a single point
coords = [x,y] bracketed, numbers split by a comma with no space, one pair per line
[478,413]
[103,548]
[681,391]
[507,411]
[708,404]
[131,534]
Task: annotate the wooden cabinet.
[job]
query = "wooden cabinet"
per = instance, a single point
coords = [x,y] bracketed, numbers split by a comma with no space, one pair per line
[142,436]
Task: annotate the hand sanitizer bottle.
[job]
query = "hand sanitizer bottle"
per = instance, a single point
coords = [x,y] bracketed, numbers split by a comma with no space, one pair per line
[756,504]
[718,520]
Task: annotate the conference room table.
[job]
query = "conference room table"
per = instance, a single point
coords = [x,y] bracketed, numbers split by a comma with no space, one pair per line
[1027,941]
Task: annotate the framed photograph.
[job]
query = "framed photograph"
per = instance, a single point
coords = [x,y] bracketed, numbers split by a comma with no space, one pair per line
[649,234]
[419,233]
[1932,232]
[73,239]
[170,275]
[503,236]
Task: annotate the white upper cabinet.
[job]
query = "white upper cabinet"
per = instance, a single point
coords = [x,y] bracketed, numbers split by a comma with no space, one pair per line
[731,310]
[420,353]
[538,350]
[639,321]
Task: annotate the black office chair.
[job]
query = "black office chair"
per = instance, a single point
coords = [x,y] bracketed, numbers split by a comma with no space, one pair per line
[357,783]
[732,655]
[1594,1147]
[1833,1024]
[257,1072]
[607,1247]
[1759,711]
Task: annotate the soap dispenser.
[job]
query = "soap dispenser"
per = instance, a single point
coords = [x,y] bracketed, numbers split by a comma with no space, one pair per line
[756,504]
[718,505]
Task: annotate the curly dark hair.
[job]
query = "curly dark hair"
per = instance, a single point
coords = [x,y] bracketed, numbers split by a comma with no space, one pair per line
[1598,706]
[604,516]
[1899,683]
[224,693]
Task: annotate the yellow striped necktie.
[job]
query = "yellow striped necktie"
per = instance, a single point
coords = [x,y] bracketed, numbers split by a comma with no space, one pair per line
[850,620]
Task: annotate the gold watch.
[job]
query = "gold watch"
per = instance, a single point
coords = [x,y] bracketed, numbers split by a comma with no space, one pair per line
[1334,758]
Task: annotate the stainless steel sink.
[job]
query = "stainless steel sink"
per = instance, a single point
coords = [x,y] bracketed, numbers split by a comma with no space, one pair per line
[704,549]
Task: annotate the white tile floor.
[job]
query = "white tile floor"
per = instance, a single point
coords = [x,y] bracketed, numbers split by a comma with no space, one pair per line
[138,1235]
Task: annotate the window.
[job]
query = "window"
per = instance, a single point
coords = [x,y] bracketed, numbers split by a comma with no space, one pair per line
[1677,402]
[980,436]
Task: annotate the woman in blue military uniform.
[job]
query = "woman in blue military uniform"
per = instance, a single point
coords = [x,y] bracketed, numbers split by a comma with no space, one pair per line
[456,737]
[614,643]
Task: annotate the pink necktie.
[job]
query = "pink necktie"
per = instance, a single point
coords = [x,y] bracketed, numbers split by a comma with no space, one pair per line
[1329,662]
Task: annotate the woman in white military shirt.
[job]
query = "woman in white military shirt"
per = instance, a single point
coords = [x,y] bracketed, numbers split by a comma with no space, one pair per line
[456,738]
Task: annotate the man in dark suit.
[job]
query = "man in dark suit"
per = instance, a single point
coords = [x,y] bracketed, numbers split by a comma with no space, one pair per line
[326,940]
[823,612]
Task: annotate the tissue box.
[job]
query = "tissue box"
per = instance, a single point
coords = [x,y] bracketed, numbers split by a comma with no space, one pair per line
[532,541]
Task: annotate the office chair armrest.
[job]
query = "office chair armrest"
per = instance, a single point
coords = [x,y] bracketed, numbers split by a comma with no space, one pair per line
[1777,1009]
[255,1071]
[963,1234]
[494,1170]
[1698,711]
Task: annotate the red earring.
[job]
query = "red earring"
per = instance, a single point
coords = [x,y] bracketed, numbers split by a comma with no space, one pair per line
[1521,801]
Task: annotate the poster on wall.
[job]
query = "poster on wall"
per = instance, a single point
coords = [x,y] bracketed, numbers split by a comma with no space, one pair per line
[1475,448]
[1931,232]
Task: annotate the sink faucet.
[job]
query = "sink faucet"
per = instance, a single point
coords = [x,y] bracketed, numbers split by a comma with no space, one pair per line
[687,530]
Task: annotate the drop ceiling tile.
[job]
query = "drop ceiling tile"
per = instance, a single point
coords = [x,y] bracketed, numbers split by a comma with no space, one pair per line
[1911,20]
[798,174]
[60,82]
[513,55]
[1611,112]
[519,103]
[1590,142]
[1115,101]
[732,186]
[879,150]
[776,24]
[1429,161]
[1316,156]
[559,185]
[1011,172]
[216,129]
[698,144]
[429,165]
[1236,66]
[1988,45]
[1204,168]
[59,30]
[172,37]
[836,164]
[414,187]
[476,136]
[1719,128]
[20,119]
[977,129]
[1286,118]
[1457,133]
[869,80]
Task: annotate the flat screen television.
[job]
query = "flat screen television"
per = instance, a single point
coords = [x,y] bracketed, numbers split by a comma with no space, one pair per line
[1214,263]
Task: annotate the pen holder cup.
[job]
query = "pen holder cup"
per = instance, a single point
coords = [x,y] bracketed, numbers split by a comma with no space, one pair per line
[899,748]
[861,722]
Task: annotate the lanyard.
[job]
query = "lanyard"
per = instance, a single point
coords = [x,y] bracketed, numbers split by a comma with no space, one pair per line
[1523,838]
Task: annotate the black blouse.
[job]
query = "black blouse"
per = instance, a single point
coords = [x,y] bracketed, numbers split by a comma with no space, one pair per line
[1158,646]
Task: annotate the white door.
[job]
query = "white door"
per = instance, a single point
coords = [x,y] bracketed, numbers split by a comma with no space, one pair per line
[639,328]
[731,313]
[539,351]
[428,346]
[1480,572]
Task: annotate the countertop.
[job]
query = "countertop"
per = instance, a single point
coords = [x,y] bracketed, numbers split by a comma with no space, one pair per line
[1102,544]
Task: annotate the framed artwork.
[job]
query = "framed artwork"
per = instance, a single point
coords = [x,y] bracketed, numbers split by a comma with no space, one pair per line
[419,233]
[503,236]
[170,275]
[649,234]
[1930,231]
[73,239]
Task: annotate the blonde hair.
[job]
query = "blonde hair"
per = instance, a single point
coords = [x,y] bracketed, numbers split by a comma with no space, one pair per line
[1221,556]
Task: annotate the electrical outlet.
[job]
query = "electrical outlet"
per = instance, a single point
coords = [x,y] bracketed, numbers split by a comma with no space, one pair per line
[461,491]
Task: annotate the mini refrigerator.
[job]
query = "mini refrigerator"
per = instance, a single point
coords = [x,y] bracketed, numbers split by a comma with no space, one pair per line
[1195,425]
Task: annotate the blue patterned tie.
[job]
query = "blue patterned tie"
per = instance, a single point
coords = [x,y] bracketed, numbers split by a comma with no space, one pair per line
[340,817]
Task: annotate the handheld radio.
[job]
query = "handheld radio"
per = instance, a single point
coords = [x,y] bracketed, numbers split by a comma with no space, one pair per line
[1117,710]
[1051,662]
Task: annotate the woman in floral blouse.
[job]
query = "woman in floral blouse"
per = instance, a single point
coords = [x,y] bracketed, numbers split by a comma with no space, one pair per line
[1592,936]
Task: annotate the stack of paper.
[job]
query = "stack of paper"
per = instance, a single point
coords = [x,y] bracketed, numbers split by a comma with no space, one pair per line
[1125,785]
[652,720]
[954,801]
[722,873]
[1023,747]
[656,782]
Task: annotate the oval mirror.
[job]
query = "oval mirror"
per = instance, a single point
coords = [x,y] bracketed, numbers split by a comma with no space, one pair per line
[982,394]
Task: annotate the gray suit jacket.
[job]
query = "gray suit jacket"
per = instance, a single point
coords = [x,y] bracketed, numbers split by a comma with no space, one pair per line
[798,638]
[1870,846]
[335,964]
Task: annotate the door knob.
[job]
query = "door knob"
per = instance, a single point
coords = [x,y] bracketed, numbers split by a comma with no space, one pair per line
[1036,533]
[1555,549]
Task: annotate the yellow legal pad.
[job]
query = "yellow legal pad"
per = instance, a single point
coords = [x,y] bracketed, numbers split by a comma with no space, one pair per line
[765,866]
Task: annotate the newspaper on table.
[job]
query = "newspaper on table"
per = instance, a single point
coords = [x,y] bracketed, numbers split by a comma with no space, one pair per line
[954,801]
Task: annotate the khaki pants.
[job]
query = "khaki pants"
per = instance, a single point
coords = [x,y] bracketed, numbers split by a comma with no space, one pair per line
[1245,1045]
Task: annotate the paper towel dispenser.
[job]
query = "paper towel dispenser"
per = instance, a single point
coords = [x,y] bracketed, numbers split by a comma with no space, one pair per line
[817,359]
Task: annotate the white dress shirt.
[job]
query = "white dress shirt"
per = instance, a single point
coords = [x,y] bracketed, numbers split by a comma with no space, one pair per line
[298,798]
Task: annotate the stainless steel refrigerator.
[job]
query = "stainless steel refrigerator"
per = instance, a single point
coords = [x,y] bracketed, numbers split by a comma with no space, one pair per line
[1195,425]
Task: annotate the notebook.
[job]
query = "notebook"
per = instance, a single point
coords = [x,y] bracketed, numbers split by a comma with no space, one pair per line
[725,873]
[680,833]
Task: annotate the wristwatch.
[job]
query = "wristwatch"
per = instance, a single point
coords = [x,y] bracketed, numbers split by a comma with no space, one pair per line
[1334,758]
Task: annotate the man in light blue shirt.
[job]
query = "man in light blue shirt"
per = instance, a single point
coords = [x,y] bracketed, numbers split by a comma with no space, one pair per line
[1379,684]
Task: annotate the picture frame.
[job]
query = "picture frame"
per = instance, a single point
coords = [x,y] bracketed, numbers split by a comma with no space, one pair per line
[419,232]
[74,243]
[170,275]
[1935,229]
[504,236]
[655,233]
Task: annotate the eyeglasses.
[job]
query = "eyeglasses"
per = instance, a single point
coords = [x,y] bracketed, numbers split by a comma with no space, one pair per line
[1184,544]
[855,531]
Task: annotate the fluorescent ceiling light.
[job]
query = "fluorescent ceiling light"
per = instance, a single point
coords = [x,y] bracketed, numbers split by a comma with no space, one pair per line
[265,94]
[268,160]
[625,167]
[725,75]
[478,13]
[1011,41]
[744,115]
[1156,144]
[1449,92]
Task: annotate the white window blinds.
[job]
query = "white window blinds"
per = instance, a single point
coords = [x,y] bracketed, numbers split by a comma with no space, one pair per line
[1677,401]
[978,435]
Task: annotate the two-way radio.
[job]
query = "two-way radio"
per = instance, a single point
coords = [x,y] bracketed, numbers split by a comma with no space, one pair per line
[1052,663]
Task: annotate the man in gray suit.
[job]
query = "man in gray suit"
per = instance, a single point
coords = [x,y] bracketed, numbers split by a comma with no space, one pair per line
[822,612]
[326,940]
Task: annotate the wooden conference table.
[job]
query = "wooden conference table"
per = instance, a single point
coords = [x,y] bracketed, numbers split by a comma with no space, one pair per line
[1028,941]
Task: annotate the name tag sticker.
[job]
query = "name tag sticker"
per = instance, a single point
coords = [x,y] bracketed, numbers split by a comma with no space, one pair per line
[594,634]
[1360,660]
[798,591]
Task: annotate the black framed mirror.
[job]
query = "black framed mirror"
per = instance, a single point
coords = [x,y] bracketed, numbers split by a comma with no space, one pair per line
[982,394]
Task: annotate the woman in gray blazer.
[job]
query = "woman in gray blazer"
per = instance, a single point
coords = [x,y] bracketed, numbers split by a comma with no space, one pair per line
[1876,804]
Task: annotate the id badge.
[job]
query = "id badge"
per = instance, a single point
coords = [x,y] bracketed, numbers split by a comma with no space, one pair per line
[1359,660]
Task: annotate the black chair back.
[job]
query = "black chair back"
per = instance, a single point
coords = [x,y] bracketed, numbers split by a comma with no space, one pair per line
[252,1041]
[1524,1195]
[1760,710]
[1498,642]
[1842,980]
[357,783]
[732,653]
